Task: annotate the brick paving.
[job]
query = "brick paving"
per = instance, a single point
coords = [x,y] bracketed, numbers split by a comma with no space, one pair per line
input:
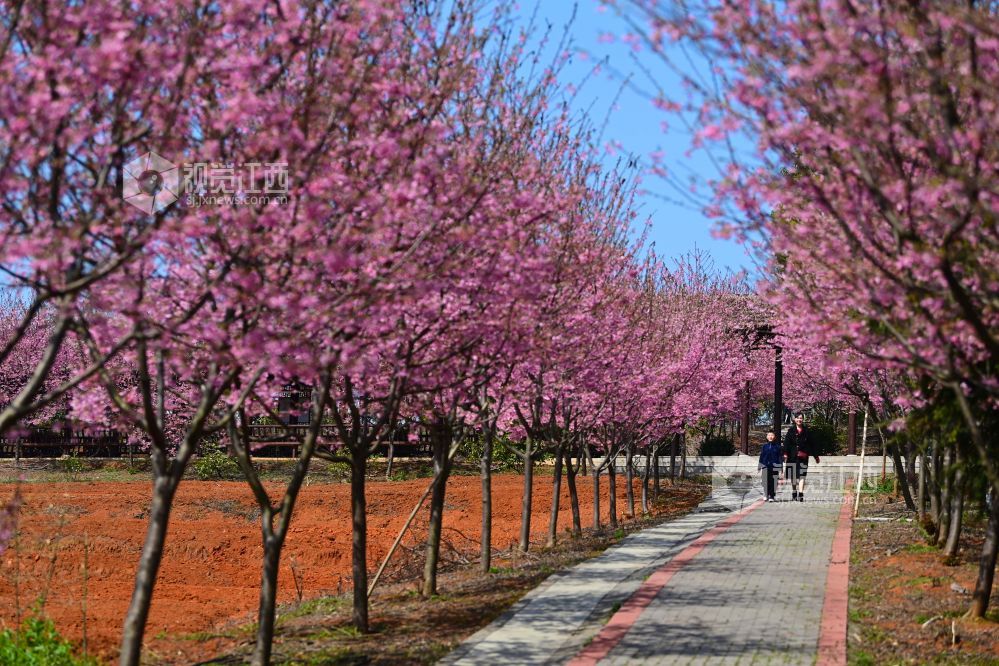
[751,592]
[753,596]
[554,621]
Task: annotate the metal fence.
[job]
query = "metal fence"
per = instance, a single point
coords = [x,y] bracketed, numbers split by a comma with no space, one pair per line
[266,441]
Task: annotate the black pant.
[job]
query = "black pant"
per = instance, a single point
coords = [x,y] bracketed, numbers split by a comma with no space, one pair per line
[770,475]
[790,475]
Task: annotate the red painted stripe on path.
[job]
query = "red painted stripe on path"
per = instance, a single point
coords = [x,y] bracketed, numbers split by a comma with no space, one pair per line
[832,631]
[631,610]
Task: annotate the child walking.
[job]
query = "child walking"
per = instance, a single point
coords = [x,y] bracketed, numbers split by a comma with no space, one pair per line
[771,460]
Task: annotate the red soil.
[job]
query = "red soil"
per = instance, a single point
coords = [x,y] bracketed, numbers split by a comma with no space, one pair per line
[211,565]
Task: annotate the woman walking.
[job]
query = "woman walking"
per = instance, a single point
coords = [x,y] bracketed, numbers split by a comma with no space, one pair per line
[798,447]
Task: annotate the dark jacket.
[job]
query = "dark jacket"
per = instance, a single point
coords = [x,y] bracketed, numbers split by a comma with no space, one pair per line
[770,456]
[795,441]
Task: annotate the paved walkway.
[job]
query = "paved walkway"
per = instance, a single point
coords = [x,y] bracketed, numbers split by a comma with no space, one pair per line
[739,581]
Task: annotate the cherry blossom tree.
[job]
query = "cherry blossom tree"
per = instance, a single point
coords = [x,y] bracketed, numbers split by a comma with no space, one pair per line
[873,186]
[26,355]
[245,299]
[83,92]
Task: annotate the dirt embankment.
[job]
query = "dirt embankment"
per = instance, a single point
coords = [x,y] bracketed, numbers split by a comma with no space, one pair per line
[907,602]
[211,566]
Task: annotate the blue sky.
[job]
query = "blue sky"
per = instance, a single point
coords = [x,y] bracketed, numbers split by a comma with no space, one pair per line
[632,122]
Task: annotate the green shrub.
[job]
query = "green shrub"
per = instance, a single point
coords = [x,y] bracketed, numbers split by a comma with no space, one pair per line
[823,435]
[341,470]
[878,486]
[216,465]
[37,643]
[72,465]
[504,458]
[716,446]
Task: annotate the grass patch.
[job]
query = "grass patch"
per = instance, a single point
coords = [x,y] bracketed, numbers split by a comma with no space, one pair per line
[202,636]
[431,653]
[891,598]
[339,656]
[37,643]
[923,617]
[857,614]
[410,474]
[861,658]
[343,633]
[873,634]
[858,593]
[921,580]
[317,606]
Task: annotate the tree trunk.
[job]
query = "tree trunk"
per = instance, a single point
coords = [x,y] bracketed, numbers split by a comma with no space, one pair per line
[359,545]
[910,462]
[389,461]
[921,491]
[943,520]
[683,458]
[612,492]
[595,473]
[486,470]
[673,450]
[442,468]
[956,514]
[268,597]
[933,478]
[744,424]
[273,543]
[525,508]
[655,475]
[628,479]
[902,476]
[556,497]
[646,472]
[570,478]
[987,561]
[164,489]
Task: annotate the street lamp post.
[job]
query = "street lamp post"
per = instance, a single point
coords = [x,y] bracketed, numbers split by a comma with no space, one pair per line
[744,426]
[757,338]
[778,391]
